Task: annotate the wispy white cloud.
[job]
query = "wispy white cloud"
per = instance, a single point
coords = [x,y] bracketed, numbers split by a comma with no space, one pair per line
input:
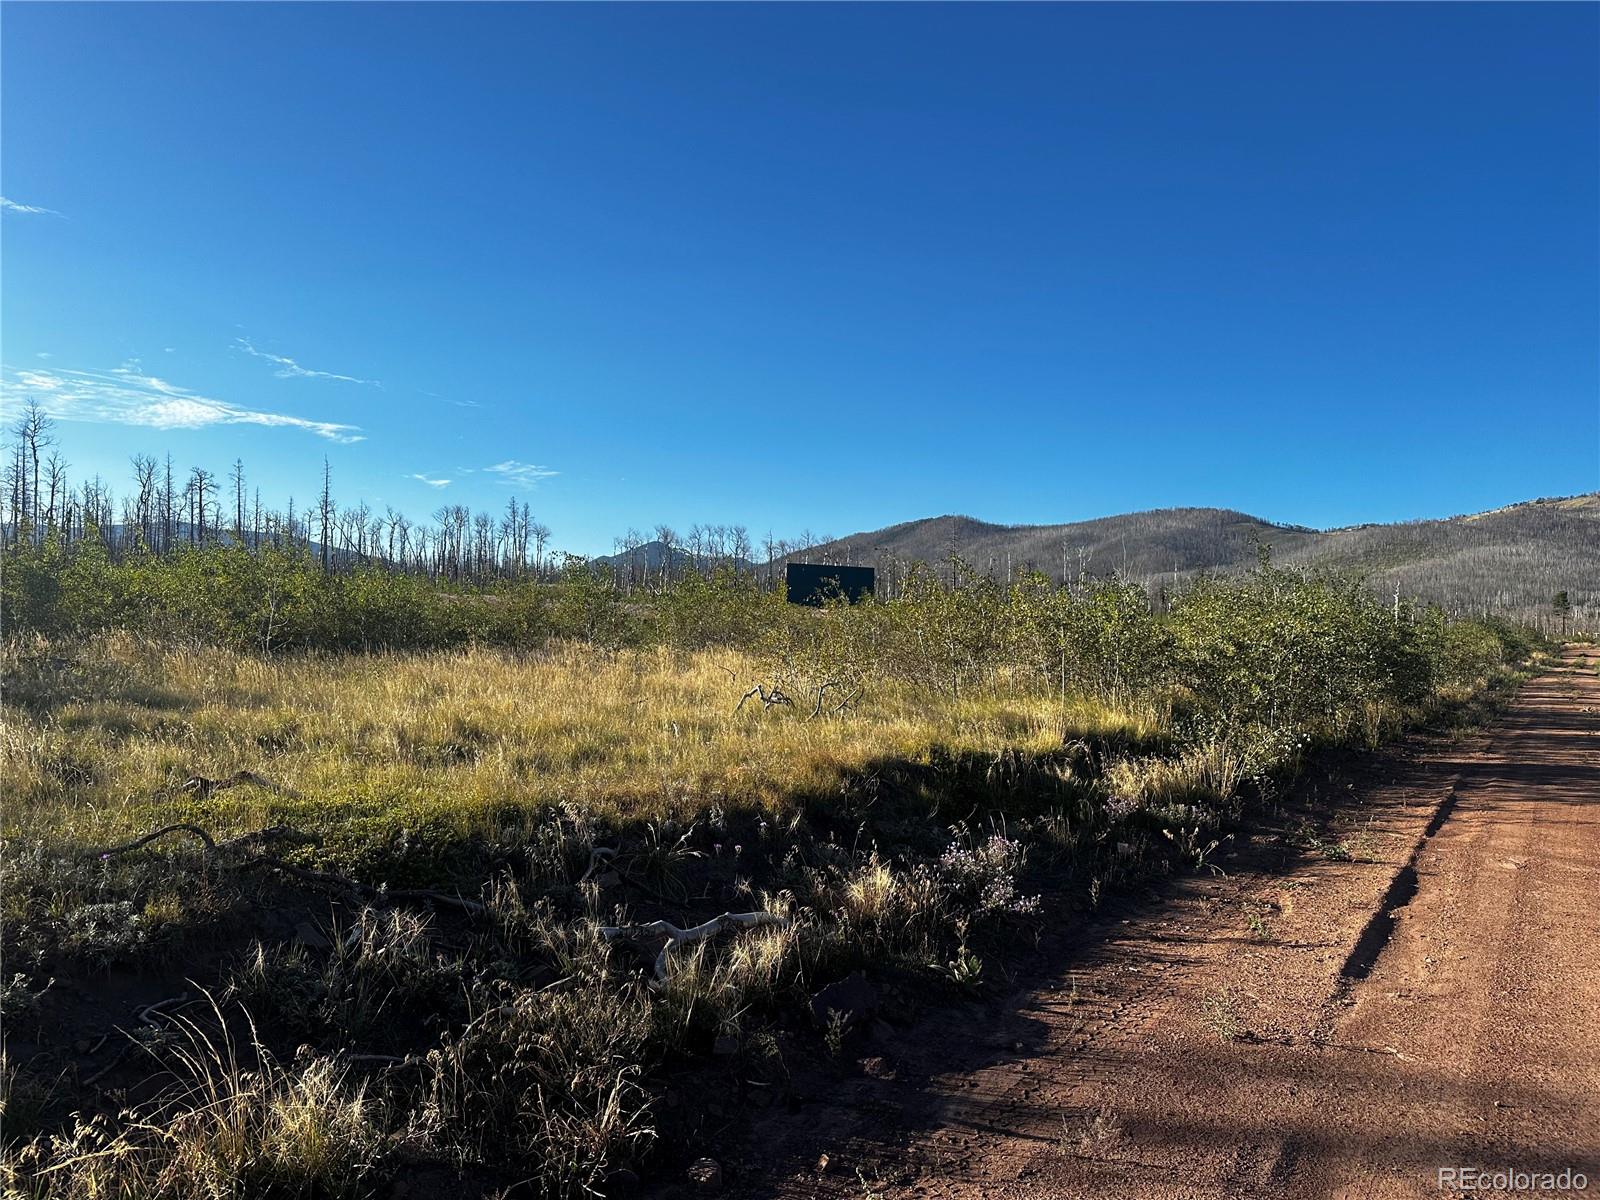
[289,369]
[457,403]
[127,396]
[44,354]
[26,209]
[520,474]
[433,483]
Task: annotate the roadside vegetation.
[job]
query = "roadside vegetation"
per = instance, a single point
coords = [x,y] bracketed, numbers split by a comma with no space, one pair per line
[441,863]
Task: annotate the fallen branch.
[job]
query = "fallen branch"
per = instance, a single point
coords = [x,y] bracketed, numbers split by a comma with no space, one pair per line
[160,1007]
[325,879]
[111,1065]
[822,691]
[146,1016]
[362,891]
[461,902]
[677,937]
[848,701]
[272,833]
[203,787]
[768,699]
[156,835]
[597,856]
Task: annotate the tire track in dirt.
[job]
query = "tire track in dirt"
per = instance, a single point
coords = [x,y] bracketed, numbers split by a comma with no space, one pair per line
[1436,1003]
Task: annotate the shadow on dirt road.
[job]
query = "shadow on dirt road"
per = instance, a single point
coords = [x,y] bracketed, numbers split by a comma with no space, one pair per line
[1300,1027]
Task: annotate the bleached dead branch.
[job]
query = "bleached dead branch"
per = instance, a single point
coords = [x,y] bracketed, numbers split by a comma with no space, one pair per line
[678,937]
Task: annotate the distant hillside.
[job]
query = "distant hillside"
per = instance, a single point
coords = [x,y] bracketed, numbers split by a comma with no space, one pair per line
[1137,544]
[648,558]
[1510,560]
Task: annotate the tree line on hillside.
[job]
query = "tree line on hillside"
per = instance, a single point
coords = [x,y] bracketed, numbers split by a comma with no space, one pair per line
[165,510]
[1510,564]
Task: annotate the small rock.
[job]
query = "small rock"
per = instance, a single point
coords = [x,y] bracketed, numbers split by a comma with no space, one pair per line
[822,1164]
[706,1175]
[311,937]
[725,1046]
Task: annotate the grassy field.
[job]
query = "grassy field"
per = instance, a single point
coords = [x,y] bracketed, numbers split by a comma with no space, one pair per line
[100,744]
[495,774]
[407,925]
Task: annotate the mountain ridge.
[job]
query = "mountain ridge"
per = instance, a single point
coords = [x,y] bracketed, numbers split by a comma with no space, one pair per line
[1511,559]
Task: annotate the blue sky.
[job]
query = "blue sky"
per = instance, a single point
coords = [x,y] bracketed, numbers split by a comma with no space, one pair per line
[815,267]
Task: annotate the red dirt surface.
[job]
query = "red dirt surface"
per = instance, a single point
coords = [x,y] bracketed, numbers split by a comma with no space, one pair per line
[1315,1026]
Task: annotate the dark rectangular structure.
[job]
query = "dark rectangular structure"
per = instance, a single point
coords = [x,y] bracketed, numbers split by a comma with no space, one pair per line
[817,583]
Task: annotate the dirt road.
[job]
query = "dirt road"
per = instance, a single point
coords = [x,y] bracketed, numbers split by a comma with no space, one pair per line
[1422,993]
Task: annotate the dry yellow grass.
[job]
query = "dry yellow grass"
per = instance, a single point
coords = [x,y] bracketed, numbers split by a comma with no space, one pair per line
[235,1123]
[97,746]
